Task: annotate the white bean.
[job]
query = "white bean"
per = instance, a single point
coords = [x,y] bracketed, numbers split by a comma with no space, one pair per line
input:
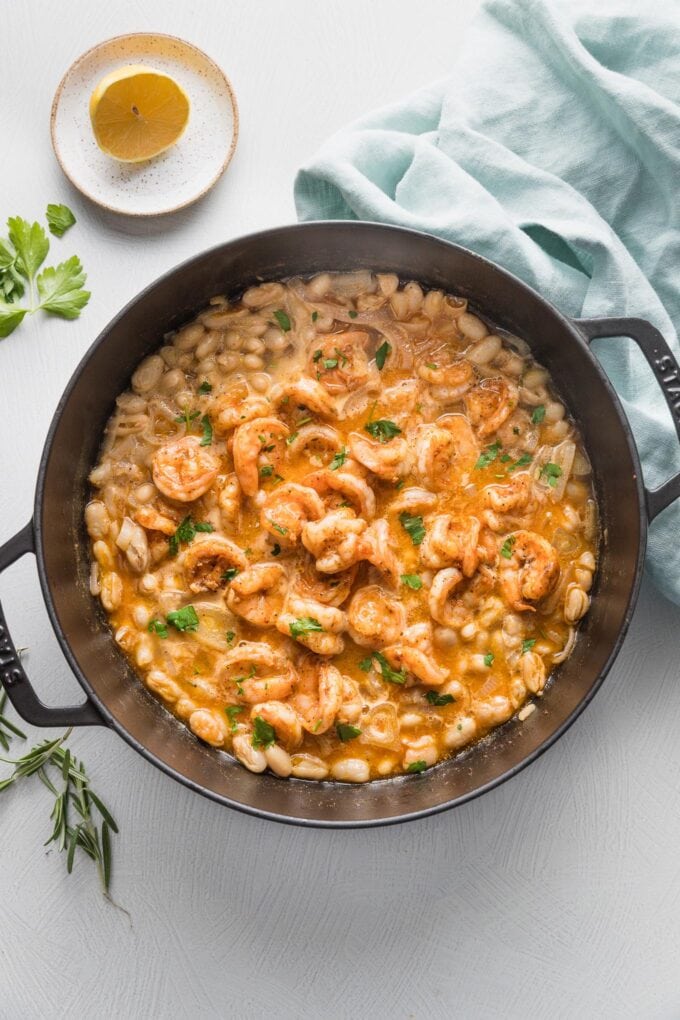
[248,755]
[485,350]
[260,382]
[472,327]
[351,770]
[187,338]
[254,346]
[148,374]
[208,345]
[97,519]
[111,591]
[307,766]
[144,651]
[278,760]
[253,362]
[173,380]
[460,733]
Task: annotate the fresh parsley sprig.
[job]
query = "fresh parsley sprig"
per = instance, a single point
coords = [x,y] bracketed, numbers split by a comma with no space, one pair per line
[57,290]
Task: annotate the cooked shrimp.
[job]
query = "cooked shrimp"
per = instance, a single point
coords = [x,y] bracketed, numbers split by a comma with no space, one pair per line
[386,460]
[375,618]
[448,382]
[153,520]
[445,582]
[413,498]
[283,718]
[446,452]
[287,509]
[318,695]
[257,593]
[334,540]
[515,494]
[305,393]
[339,361]
[415,654]
[376,547]
[250,440]
[331,589]
[449,541]
[354,489]
[208,726]
[314,625]
[229,499]
[530,572]
[237,407]
[257,673]
[314,435]
[490,403]
[183,470]
[208,558]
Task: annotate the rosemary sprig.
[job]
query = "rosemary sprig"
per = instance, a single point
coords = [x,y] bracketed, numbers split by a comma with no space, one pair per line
[7,729]
[72,817]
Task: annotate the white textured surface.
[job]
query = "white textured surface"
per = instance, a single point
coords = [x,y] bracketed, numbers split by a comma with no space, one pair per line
[557,895]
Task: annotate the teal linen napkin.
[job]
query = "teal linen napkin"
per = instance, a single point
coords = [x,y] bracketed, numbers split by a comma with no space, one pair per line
[554,149]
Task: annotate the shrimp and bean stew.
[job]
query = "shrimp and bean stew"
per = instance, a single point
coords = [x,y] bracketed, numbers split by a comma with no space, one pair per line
[341,527]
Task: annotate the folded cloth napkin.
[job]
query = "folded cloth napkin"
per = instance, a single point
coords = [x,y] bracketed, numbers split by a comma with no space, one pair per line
[554,149]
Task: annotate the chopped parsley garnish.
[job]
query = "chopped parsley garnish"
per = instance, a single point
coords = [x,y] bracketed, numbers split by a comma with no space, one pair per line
[317,355]
[412,581]
[186,532]
[266,471]
[315,316]
[505,458]
[381,354]
[521,462]
[231,712]
[59,219]
[538,414]
[385,671]
[339,459]
[551,472]
[330,363]
[431,364]
[352,314]
[383,429]
[417,766]
[230,574]
[205,387]
[263,733]
[230,635]
[187,417]
[276,549]
[489,455]
[488,658]
[277,527]
[207,431]
[439,699]
[516,430]
[346,732]
[305,625]
[282,319]
[413,525]
[185,619]
[238,680]
[506,548]
[291,438]
[157,627]
[528,644]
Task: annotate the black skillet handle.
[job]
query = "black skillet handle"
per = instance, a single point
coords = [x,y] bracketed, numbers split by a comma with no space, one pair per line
[667,371]
[12,674]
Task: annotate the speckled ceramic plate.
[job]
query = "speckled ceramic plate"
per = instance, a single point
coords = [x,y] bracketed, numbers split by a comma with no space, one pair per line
[177,177]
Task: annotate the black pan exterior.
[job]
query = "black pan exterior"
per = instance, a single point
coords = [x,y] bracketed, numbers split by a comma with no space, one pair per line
[72,448]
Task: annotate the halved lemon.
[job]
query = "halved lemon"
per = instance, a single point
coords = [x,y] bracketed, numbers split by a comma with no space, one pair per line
[137,113]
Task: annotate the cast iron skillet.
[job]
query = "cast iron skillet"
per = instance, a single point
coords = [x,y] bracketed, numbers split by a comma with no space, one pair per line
[115,697]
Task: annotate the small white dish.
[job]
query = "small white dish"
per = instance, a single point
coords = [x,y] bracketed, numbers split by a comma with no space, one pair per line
[177,177]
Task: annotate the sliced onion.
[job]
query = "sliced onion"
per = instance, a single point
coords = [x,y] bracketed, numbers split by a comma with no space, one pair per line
[564,542]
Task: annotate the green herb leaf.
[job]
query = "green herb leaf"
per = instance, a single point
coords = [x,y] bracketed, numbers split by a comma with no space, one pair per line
[439,699]
[431,364]
[277,527]
[230,574]
[381,354]
[30,243]
[417,766]
[521,462]
[366,663]
[266,470]
[383,430]
[489,455]
[230,635]
[205,387]
[158,627]
[207,431]
[231,712]
[317,356]
[185,619]
[305,625]
[413,525]
[352,314]
[488,658]
[330,363]
[59,219]
[412,581]
[538,414]
[61,289]
[10,317]
[282,319]
[315,316]
[506,548]
[346,732]
[186,532]
[551,472]
[528,644]
[263,734]
[386,672]
[276,549]
[339,459]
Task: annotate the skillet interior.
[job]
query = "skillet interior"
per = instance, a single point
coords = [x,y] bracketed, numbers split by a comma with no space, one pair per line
[72,447]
